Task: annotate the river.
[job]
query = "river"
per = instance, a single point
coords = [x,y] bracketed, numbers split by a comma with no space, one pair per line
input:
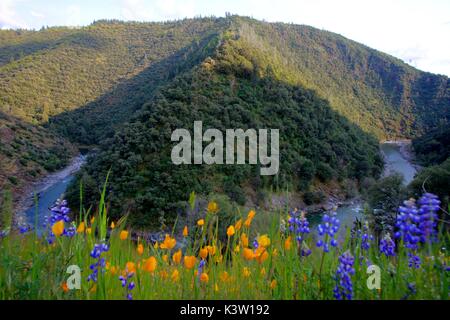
[48,190]
[53,187]
[396,160]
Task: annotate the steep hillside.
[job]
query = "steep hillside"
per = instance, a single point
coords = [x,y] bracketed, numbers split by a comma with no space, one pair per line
[377,92]
[126,85]
[27,152]
[81,83]
[433,147]
[226,91]
[61,69]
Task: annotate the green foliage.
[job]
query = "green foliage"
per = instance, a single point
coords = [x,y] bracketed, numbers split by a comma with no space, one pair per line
[386,193]
[370,88]
[224,92]
[316,197]
[433,147]
[434,179]
[127,85]
[34,269]
[6,209]
[28,151]
[105,71]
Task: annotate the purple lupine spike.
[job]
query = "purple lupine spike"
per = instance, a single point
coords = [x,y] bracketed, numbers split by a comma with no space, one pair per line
[344,272]
[327,231]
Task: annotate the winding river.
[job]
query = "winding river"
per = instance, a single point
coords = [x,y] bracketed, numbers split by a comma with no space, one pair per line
[54,186]
[395,161]
[48,190]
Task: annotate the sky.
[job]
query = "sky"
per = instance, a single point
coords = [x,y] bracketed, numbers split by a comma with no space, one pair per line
[416,31]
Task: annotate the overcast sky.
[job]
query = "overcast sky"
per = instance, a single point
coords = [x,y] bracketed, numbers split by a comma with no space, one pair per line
[417,31]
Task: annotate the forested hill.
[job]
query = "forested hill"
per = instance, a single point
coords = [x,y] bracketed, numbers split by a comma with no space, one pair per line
[106,70]
[79,84]
[434,147]
[89,85]
[233,88]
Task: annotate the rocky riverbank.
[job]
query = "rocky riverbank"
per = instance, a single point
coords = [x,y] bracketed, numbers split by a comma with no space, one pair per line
[406,151]
[26,201]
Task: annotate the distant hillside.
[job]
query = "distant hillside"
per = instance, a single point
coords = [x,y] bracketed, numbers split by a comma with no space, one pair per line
[28,151]
[433,147]
[58,70]
[81,83]
[227,90]
[378,92]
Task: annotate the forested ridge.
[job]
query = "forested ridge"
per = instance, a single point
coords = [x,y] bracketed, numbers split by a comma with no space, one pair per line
[433,151]
[124,86]
[233,88]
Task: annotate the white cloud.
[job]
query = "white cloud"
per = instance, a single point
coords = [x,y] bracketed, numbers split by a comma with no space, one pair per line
[9,17]
[37,14]
[73,15]
[158,10]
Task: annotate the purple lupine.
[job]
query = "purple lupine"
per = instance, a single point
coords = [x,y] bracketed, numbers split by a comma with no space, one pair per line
[429,206]
[387,246]
[305,250]
[100,262]
[24,228]
[407,224]
[299,225]
[128,284]
[59,211]
[366,237]
[201,267]
[327,231]
[344,287]
[413,260]
[408,220]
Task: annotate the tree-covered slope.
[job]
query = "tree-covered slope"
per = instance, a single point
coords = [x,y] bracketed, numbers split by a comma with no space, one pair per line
[378,92]
[226,91]
[59,69]
[81,83]
[28,152]
[434,147]
[86,84]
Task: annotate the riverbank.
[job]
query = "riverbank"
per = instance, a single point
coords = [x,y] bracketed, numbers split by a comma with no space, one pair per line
[404,163]
[26,201]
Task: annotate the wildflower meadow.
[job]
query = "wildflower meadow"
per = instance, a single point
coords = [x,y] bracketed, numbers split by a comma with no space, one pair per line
[288,260]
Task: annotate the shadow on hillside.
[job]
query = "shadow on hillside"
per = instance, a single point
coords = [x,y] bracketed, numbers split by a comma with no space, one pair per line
[10,53]
[316,143]
[98,119]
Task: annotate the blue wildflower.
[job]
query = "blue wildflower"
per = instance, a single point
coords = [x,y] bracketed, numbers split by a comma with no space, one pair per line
[24,228]
[299,225]
[327,231]
[408,221]
[100,262]
[387,246]
[128,284]
[344,287]
[429,206]
[201,267]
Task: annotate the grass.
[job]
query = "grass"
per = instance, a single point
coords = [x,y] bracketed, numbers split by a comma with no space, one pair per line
[31,268]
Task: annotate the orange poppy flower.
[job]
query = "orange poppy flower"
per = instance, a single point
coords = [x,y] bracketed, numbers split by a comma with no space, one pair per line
[168,243]
[177,257]
[203,253]
[189,261]
[230,231]
[150,264]
[140,249]
[58,228]
[123,235]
